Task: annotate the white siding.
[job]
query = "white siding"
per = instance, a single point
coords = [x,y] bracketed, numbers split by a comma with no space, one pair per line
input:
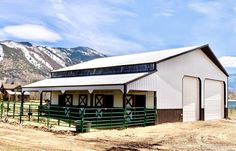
[171,72]
[75,101]
[54,99]
[148,83]
[118,99]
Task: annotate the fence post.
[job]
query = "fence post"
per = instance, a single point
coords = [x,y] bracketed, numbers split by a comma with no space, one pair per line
[82,125]
[22,106]
[48,117]
[69,120]
[29,113]
[7,107]
[124,115]
[111,118]
[145,116]
[38,112]
[1,109]
[14,109]
[58,120]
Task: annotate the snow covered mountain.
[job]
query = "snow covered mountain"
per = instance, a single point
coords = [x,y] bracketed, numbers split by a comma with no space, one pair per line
[25,62]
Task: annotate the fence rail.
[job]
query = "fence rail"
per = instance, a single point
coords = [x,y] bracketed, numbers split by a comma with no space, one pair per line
[81,118]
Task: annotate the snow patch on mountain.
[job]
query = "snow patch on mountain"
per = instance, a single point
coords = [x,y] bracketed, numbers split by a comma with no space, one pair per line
[27,53]
[1,53]
[42,61]
[57,56]
[53,54]
[25,63]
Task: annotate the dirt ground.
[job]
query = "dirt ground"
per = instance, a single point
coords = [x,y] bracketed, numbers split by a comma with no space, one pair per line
[202,135]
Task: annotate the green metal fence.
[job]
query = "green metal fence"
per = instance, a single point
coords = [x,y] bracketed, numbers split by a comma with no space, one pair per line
[80,118]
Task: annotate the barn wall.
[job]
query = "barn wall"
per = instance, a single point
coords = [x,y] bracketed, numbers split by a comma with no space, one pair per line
[148,83]
[171,72]
[118,96]
[149,97]
[54,97]
[75,102]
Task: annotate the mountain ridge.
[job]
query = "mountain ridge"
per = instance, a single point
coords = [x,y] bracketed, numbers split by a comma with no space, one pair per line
[24,62]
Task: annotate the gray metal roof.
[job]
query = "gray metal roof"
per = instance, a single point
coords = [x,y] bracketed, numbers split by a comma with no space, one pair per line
[139,58]
[87,80]
[147,57]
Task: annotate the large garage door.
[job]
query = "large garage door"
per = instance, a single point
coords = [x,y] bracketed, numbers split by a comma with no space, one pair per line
[191,97]
[214,99]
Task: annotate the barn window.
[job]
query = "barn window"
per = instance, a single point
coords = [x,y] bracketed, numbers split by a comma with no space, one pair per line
[148,67]
[104,101]
[83,100]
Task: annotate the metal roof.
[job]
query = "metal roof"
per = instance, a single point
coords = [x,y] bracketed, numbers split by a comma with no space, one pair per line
[10,86]
[87,80]
[140,58]
[16,93]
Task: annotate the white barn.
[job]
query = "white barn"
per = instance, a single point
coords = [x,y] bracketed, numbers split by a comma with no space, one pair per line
[183,84]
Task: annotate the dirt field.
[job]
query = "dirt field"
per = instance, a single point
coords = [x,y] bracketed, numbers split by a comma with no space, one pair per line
[210,135]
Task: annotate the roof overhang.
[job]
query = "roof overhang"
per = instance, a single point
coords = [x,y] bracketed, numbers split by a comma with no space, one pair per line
[90,83]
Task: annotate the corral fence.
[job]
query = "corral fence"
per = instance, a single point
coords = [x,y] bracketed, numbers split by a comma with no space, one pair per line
[82,119]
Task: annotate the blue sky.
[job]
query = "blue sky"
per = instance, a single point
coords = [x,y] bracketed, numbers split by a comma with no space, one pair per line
[123,26]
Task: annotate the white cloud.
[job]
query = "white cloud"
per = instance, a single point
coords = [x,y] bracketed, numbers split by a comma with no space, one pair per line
[211,9]
[228,61]
[164,8]
[64,18]
[31,32]
[89,25]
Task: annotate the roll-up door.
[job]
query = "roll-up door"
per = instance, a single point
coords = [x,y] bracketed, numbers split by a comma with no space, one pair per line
[191,99]
[214,99]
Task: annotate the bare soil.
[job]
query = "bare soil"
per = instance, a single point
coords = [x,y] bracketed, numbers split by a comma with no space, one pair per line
[202,135]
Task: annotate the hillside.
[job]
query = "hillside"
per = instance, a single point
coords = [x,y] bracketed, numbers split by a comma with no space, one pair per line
[24,62]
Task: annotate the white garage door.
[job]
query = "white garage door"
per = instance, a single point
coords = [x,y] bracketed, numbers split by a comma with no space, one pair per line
[191,99]
[214,99]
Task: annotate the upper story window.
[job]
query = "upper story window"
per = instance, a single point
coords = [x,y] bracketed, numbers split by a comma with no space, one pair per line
[148,67]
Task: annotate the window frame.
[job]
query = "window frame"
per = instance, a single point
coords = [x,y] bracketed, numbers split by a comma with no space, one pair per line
[137,68]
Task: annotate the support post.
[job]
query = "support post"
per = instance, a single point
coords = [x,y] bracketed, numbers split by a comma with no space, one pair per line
[14,109]
[40,103]
[145,116]
[155,100]
[15,97]
[124,105]
[21,105]
[2,108]
[155,105]
[124,96]
[91,99]
[41,98]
